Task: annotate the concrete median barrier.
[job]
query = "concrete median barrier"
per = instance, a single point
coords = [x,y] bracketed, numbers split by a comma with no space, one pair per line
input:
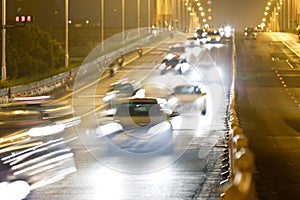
[239,165]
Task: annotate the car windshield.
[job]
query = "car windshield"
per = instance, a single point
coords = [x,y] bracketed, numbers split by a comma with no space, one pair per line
[191,38]
[179,49]
[139,109]
[170,60]
[185,90]
[250,30]
[123,88]
[213,32]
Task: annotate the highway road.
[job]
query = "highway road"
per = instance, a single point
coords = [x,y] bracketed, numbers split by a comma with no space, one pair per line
[197,145]
[268,82]
[267,103]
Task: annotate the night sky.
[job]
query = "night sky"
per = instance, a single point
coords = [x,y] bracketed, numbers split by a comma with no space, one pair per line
[238,13]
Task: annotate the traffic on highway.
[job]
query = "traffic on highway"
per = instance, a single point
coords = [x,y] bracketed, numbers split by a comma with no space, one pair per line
[138,122]
[209,112]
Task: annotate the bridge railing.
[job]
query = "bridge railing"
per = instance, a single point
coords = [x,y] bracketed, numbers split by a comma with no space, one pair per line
[104,53]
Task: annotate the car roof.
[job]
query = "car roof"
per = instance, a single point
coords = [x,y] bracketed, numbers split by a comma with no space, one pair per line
[144,100]
[249,28]
[170,56]
[187,85]
[152,100]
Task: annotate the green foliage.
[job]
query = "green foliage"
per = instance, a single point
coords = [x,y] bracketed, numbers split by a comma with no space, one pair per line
[30,51]
[34,78]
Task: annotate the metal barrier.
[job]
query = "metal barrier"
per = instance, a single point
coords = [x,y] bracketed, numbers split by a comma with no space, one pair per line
[238,162]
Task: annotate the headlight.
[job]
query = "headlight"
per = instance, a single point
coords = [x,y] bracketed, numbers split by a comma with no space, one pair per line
[160,128]
[109,97]
[108,129]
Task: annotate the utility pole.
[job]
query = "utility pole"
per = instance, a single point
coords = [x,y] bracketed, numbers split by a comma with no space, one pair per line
[3,69]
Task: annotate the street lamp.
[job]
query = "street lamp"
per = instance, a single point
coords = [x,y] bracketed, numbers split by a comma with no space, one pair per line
[139,16]
[3,68]
[67,33]
[102,21]
[123,21]
[149,15]
[138,13]
[123,17]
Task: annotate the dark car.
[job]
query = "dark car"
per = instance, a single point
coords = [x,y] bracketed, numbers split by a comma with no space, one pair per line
[174,62]
[250,33]
[213,35]
[119,90]
[139,125]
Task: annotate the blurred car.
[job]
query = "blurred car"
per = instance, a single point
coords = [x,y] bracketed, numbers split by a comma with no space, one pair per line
[37,161]
[14,190]
[200,34]
[15,120]
[56,112]
[228,31]
[259,29]
[121,89]
[213,35]
[192,42]
[250,33]
[177,48]
[174,62]
[32,99]
[27,113]
[191,98]
[140,125]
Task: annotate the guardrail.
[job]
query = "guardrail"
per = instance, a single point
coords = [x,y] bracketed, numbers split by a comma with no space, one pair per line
[238,162]
[102,55]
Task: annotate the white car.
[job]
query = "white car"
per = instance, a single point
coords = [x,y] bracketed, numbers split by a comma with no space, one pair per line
[191,98]
[139,125]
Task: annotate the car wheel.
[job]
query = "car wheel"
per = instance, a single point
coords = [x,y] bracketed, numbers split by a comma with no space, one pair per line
[203,112]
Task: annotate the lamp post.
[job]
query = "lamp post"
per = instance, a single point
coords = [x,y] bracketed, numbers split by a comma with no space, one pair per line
[123,16]
[123,21]
[67,33]
[138,13]
[149,22]
[3,68]
[102,20]
[139,16]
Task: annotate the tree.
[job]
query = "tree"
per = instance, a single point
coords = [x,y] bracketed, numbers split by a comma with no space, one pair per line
[31,50]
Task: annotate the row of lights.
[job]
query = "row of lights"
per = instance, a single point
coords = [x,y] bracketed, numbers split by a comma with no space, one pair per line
[200,9]
[268,12]
[23,18]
